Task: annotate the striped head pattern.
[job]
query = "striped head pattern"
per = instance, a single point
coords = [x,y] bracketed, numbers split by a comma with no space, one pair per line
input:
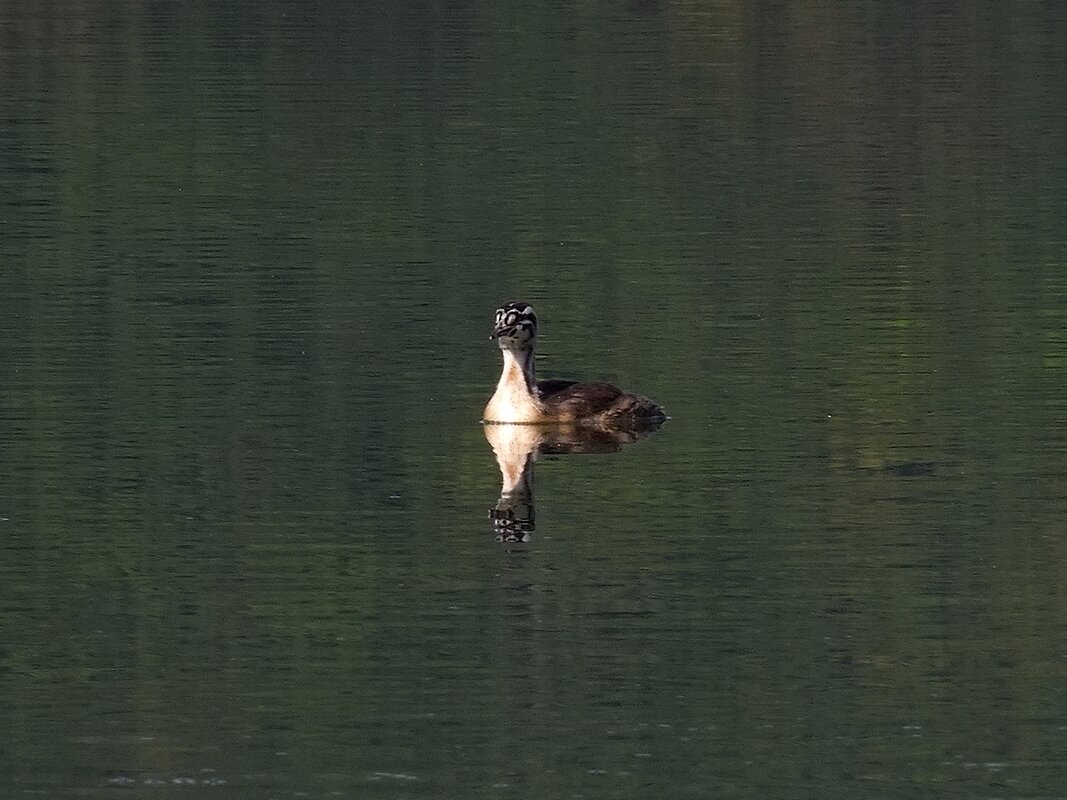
[515,326]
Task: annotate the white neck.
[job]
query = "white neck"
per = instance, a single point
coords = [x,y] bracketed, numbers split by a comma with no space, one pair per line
[515,399]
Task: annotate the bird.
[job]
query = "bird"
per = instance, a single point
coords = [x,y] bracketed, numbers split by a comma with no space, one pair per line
[522,399]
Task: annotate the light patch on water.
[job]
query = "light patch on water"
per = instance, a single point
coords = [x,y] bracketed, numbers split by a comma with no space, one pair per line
[206,779]
[392,776]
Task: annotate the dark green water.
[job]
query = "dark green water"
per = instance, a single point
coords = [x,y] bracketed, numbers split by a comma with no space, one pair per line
[249,256]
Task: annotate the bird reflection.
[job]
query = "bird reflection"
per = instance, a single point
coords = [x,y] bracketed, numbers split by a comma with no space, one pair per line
[517,448]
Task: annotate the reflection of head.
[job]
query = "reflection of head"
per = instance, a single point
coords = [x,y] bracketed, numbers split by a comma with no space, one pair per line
[513,518]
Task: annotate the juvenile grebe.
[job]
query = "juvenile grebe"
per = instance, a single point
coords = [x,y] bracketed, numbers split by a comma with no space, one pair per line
[521,398]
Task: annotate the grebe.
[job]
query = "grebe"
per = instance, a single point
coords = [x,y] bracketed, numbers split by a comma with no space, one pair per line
[521,398]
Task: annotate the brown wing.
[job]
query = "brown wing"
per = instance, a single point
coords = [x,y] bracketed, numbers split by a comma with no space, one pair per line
[634,410]
[581,400]
[552,385]
[602,404]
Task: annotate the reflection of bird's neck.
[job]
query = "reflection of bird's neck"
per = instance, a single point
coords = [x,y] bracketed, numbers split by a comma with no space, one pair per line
[515,447]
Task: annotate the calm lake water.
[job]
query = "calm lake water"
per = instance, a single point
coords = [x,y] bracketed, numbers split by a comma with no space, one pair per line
[249,257]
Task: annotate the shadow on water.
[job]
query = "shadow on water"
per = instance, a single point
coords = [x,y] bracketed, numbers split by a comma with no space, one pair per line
[517,448]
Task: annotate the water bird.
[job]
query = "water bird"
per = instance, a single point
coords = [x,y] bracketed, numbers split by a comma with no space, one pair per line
[521,398]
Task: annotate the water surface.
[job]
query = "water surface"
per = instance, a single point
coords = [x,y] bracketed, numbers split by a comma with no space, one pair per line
[249,258]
